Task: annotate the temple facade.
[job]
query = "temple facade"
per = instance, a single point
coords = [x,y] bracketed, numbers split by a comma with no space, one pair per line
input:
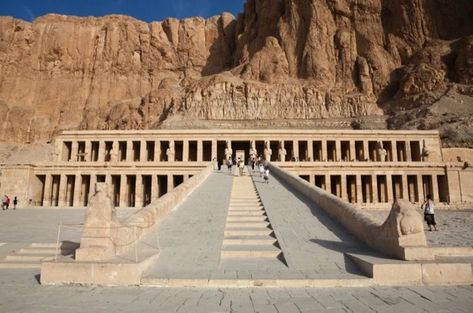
[369,168]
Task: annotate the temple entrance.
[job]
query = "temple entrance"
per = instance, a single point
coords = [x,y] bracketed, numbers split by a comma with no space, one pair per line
[241,146]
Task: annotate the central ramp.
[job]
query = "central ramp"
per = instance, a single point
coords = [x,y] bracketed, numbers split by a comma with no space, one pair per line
[248,236]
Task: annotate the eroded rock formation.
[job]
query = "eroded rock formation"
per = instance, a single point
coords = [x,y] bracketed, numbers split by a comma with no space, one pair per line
[280,59]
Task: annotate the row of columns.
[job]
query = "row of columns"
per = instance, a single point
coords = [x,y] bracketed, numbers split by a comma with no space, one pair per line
[384,192]
[57,192]
[378,155]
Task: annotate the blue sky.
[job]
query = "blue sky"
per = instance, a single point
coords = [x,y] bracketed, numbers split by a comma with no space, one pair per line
[146,10]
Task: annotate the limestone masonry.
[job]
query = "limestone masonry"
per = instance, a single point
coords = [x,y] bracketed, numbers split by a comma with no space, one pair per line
[366,168]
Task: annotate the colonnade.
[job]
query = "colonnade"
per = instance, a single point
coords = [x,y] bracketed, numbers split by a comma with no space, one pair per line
[127,190]
[331,150]
[364,188]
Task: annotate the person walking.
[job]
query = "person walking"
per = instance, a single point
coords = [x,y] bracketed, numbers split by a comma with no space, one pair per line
[229,165]
[266,174]
[4,202]
[15,203]
[7,201]
[261,169]
[241,166]
[429,213]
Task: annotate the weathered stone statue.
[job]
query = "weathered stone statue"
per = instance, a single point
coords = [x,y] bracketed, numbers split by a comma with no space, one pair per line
[253,151]
[171,152]
[425,151]
[113,155]
[99,228]
[267,151]
[381,152]
[282,152]
[228,150]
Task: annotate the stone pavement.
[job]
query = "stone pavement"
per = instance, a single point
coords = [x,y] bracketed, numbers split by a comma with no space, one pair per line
[20,293]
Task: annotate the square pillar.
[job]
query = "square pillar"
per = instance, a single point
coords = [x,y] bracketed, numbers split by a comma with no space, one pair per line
[420,188]
[154,187]
[353,153]
[93,181]
[359,188]
[129,151]
[101,152]
[389,187]
[157,151]
[200,150]
[115,157]
[170,183]
[408,151]
[62,191]
[405,188]
[74,150]
[343,183]
[123,191]
[394,150]
[214,149]
[374,188]
[310,150]
[324,151]
[143,151]
[312,179]
[139,191]
[338,152]
[328,183]
[88,151]
[47,190]
[435,188]
[185,150]
[295,149]
[77,191]
[366,150]
[58,146]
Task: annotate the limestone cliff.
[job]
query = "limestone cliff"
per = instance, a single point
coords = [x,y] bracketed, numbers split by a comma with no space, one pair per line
[279,59]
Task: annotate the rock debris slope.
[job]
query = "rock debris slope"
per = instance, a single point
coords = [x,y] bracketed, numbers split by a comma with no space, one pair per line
[279,59]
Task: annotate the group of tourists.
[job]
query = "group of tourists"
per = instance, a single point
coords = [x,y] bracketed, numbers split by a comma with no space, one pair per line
[6,202]
[258,164]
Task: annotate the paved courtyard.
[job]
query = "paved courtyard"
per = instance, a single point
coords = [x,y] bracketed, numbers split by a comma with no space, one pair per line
[308,238]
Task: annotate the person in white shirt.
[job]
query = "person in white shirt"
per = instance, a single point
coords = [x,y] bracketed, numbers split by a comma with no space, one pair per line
[429,216]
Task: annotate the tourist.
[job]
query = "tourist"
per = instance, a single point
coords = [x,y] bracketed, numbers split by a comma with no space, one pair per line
[15,203]
[229,164]
[241,167]
[261,169]
[4,202]
[7,201]
[266,173]
[429,213]
[219,164]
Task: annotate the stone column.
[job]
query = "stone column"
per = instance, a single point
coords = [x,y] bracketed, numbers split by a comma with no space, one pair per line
[408,151]
[139,191]
[420,188]
[101,152]
[200,151]
[93,181]
[154,187]
[170,182]
[435,188]
[343,190]
[328,183]
[389,186]
[338,150]
[77,191]
[62,191]
[324,150]
[214,149]
[359,188]
[47,190]
[143,151]
[405,187]
[185,150]
[123,192]
[310,150]
[366,150]
[74,150]
[374,184]
[295,149]
[129,151]
[88,151]
[312,179]
[157,151]
[58,150]
[394,150]
[352,152]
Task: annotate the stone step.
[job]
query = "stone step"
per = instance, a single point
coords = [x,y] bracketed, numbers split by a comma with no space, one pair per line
[259,218]
[248,225]
[248,251]
[250,241]
[245,213]
[19,265]
[248,232]
[44,251]
[27,258]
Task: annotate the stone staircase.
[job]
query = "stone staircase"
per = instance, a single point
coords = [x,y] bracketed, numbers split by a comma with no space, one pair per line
[33,254]
[248,233]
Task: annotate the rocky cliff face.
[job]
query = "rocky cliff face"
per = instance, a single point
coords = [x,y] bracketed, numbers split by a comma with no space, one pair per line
[280,59]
